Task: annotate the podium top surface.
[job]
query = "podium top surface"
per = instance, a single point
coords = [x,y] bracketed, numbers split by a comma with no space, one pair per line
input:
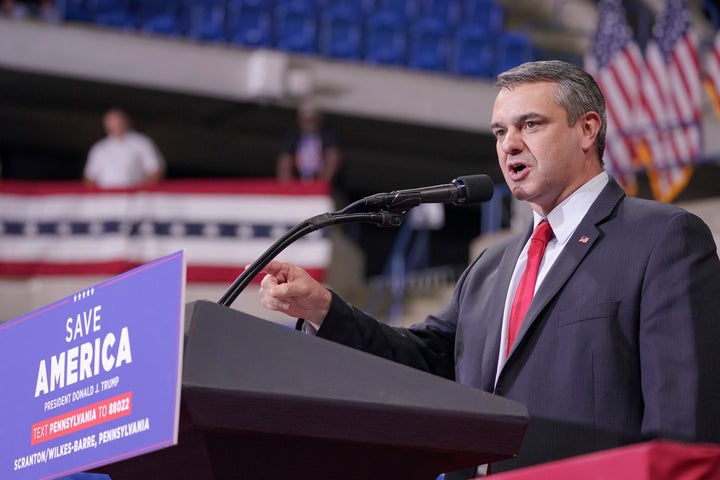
[284,380]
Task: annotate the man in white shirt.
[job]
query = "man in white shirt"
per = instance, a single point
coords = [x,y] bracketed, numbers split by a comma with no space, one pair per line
[124,158]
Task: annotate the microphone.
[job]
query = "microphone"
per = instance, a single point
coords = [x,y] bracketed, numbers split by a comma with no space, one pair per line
[465,190]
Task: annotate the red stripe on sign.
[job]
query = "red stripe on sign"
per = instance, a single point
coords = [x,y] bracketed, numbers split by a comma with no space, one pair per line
[82,418]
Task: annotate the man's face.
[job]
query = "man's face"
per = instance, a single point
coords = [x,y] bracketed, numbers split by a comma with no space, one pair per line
[309,122]
[115,123]
[542,158]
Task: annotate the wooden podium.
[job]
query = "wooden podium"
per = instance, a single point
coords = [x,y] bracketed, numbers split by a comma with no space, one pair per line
[261,401]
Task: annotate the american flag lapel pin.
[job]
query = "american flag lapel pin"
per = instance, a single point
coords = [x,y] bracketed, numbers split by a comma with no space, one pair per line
[584,239]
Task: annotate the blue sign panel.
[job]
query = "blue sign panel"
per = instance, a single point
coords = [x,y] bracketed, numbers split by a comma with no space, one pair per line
[95,377]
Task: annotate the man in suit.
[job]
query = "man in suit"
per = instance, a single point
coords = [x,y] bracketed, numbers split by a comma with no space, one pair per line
[619,343]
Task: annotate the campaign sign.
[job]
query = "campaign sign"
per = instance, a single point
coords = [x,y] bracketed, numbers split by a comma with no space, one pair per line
[95,377]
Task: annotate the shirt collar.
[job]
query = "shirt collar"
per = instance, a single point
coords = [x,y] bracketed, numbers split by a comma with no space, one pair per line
[565,218]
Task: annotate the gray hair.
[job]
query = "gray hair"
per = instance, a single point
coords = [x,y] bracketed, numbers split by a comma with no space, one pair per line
[577,93]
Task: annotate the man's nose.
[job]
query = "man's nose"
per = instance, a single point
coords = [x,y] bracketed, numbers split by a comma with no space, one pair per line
[512,143]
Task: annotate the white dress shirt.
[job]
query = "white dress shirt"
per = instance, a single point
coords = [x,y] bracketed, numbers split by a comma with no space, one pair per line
[563,219]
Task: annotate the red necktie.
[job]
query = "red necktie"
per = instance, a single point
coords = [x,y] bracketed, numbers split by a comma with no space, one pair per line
[526,288]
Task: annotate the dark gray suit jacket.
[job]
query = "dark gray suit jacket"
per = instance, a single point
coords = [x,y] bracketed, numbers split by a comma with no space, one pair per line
[621,343]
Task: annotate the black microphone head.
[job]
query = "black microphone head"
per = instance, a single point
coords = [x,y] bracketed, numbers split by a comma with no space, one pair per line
[474,189]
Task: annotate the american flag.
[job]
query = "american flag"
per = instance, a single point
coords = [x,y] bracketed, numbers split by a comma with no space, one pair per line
[616,63]
[712,73]
[672,96]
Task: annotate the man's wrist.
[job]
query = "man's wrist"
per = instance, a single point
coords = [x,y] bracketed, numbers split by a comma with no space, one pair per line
[320,314]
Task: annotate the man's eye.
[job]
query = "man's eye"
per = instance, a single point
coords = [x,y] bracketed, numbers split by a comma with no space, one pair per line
[530,124]
[499,133]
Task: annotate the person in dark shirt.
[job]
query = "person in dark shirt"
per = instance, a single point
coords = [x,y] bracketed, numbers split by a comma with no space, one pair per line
[310,152]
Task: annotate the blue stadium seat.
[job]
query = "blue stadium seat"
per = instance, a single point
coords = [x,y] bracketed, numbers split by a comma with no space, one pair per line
[512,49]
[385,38]
[486,13]
[111,13]
[159,16]
[296,26]
[204,19]
[341,32]
[361,6]
[73,10]
[428,44]
[448,11]
[473,51]
[406,8]
[249,22]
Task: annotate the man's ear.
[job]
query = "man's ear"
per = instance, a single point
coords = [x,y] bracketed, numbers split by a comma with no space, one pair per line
[590,124]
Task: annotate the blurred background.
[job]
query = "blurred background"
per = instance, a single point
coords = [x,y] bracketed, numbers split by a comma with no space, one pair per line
[405,86]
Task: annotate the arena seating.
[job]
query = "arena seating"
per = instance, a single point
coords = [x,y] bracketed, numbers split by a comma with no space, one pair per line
[457,37]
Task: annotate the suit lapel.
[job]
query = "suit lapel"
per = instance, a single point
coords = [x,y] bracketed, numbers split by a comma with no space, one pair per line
[582,240]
